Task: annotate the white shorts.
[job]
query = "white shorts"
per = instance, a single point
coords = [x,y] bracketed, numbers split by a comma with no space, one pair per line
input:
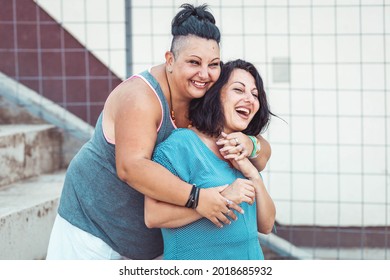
[68,242]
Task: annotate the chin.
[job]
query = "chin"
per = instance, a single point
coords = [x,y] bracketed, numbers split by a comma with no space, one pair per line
[243,128]
[198,94]
[236,129]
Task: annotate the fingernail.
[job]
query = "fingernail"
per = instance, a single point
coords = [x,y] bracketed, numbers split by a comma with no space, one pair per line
[242,212]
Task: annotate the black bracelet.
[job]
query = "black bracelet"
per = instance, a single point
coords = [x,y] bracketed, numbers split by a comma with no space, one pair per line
[192,201]
[196,198]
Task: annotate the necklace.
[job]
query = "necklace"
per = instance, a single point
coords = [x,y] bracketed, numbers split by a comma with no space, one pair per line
[170,99]
[171,104]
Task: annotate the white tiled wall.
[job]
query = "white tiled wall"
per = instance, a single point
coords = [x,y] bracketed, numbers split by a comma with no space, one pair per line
[330,161]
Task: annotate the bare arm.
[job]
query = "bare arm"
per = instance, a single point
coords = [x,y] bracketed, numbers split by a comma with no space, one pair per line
[133,127]
[164,215]
[262,159]
[265,206]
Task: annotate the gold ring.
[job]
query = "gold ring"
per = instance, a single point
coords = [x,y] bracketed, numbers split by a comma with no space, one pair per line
[228,201]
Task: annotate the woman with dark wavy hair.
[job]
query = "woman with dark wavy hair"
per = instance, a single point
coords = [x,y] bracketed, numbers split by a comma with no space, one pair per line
[237,102]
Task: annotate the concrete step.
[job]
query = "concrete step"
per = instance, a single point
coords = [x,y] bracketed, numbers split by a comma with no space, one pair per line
[27,212]
[28,150]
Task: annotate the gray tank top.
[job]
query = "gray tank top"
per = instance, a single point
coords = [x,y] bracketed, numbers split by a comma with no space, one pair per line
[95,200]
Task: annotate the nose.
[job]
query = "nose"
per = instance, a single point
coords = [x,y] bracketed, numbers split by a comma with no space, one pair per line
[249,97]
[203,73]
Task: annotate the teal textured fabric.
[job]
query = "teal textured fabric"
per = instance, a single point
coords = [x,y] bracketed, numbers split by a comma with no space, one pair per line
[186,156]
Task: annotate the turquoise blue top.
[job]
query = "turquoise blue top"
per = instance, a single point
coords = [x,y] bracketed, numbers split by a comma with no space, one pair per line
[186,156]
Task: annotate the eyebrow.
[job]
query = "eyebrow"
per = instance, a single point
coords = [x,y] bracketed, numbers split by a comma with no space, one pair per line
[238,82]
[218,58]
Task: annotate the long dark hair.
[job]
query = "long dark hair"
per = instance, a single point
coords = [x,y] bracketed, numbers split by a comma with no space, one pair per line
[206,113]
[197,21]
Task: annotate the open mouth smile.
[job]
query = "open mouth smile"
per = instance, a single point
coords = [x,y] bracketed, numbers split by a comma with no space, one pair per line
[201,85]
[243,111]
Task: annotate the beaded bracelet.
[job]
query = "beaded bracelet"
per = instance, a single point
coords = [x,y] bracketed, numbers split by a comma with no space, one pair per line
[256,147]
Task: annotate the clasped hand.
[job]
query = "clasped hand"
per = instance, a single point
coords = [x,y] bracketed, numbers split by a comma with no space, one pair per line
[236,147]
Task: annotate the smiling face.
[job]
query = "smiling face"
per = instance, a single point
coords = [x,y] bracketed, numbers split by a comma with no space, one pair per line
[240,101]
[195,65]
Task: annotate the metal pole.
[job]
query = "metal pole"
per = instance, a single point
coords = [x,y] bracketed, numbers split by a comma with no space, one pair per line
[129,43]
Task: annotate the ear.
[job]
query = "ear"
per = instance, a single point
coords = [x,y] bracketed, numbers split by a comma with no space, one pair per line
[169,60]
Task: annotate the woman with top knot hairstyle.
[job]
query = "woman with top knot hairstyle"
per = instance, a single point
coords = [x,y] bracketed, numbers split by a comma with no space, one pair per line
[101,210]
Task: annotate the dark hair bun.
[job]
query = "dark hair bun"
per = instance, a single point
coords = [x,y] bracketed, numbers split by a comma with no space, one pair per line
[189,10]
[196,21]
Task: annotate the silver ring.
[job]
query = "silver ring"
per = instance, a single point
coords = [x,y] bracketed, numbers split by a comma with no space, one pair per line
[228,201]
[237,142]
[228,212]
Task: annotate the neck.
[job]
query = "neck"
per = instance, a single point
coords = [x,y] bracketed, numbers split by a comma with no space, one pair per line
[181,113]
[172,111]
[178,107]
[209,141]
[204,135]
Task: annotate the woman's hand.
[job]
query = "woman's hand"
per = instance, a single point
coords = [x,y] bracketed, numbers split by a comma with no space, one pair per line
[235,145]
[213,206]
[238,146]
[246,167]
[241,190]
[160,214]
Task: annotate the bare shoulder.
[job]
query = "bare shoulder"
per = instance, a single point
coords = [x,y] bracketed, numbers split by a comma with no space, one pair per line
[130,100]
[131,90]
